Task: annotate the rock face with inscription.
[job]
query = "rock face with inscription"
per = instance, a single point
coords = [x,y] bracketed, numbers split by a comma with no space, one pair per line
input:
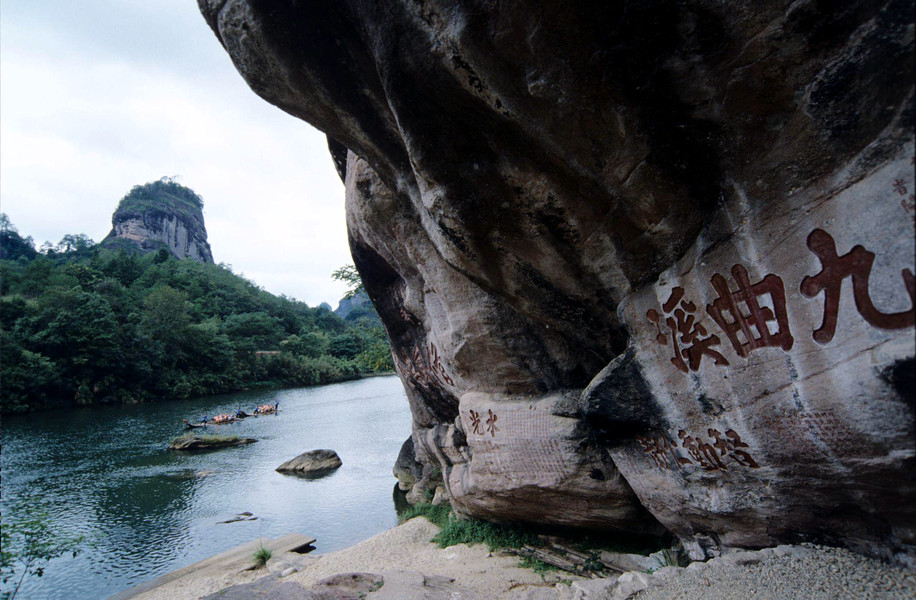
[643,267]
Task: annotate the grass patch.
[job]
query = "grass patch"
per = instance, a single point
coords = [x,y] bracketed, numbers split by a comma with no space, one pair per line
[438,515]
[455,530]
[538,566]
[261,555]
[494,535]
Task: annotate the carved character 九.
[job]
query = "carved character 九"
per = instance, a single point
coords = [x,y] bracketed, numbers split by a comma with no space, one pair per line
[857,264]
[685,330]
[491,423]
[726,311]
[476,426]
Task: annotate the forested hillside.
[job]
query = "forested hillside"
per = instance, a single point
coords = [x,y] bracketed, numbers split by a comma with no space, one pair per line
[83,324]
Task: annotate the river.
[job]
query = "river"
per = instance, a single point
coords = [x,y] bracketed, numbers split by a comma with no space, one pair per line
[106,473]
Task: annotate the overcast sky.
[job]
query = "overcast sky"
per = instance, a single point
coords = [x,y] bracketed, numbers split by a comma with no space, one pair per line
[97,96]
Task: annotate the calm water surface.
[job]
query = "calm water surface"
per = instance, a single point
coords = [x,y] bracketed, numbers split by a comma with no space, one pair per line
[146,510]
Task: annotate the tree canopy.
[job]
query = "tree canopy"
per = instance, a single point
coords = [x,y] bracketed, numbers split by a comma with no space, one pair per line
[85,324]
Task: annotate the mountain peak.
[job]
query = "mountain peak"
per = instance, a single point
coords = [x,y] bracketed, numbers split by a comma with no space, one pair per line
[161,214]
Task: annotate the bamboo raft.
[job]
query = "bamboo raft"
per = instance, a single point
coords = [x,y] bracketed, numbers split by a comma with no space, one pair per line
[238,416]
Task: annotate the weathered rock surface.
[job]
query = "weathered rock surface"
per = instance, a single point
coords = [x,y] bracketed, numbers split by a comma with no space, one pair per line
[197,442]
[161,214]
[313,462]
[407,469]
[641,266]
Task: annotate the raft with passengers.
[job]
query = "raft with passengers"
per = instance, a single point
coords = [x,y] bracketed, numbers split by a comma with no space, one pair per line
[226,418]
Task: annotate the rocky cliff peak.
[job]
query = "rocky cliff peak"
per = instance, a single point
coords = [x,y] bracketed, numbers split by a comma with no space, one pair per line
[161,214]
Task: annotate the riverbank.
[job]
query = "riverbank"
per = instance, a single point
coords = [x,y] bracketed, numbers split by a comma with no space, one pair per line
[405,565]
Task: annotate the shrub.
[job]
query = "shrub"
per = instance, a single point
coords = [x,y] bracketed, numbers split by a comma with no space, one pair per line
[262,555]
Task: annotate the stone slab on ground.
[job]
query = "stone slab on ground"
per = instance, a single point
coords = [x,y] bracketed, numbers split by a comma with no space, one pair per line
[232,560]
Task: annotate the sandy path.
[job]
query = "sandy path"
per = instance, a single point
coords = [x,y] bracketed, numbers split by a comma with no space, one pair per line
[403,548]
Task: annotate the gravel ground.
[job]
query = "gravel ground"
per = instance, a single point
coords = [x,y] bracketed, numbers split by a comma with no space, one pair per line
[824,574]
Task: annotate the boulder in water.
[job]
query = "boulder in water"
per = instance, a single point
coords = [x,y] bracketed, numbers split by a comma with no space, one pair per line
[313,462]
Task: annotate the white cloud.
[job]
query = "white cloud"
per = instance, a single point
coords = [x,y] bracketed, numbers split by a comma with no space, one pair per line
[113,94]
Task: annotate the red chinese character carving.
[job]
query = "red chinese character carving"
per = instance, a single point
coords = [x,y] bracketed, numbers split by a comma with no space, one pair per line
[701,452]
[662,451]
[731,447]
[900,187]
[857,264]
[909,203]
[437,367]
[425,370]
[475,422]
[491,423]
[692,333]
[757,316]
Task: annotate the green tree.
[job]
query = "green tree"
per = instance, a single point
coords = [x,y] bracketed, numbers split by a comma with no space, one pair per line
[165,315]
[346,345]
[28,378]
[82,337]
[254,331]
[349,275]
[376,355]
[83,323]
[12,245]
[79,243]
[29,542]
[312,344]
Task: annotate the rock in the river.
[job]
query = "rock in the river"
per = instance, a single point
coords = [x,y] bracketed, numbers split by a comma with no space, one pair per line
[208,442]
[643,265]
[313,462]
[243,516]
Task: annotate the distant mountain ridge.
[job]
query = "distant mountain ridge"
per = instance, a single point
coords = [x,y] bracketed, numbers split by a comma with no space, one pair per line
[161,214]
[357,308]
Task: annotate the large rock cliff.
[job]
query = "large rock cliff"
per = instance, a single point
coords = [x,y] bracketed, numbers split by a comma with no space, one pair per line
[161,214]
[643,265]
